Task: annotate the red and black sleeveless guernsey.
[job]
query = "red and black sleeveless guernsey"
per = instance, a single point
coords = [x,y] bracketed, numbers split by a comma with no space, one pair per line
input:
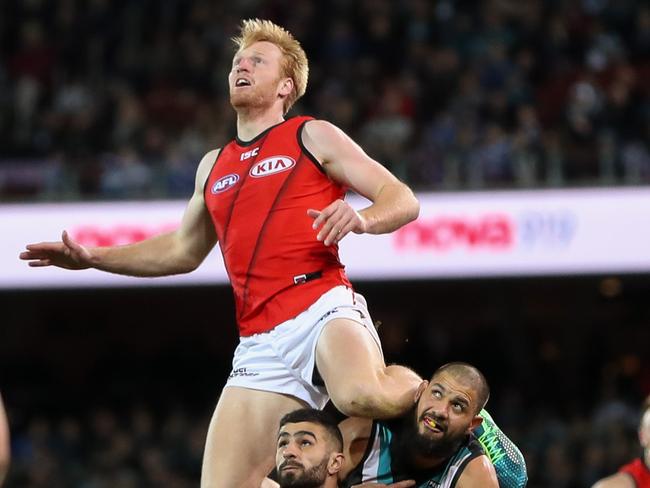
[639,473]
[258,193]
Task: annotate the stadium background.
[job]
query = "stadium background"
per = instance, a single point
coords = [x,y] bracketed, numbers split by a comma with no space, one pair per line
[118,100]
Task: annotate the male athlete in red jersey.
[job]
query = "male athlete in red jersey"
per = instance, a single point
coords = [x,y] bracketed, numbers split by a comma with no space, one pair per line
[635,474]
[273,199]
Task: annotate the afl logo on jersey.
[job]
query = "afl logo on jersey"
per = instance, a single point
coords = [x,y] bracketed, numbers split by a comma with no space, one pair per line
[224,183]
[271,166]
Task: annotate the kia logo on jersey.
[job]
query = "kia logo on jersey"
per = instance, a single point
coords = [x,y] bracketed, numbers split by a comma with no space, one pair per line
[272,165]
[224,183]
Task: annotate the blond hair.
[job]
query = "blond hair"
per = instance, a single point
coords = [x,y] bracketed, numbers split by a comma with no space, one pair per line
[294,60]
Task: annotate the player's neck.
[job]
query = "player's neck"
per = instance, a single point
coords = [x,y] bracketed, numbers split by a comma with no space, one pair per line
[252,122]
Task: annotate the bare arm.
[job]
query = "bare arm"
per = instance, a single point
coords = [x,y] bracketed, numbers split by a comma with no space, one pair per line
[356,432]
[171,253]
[479,473]
[393,203]
[618,480]
[5,454]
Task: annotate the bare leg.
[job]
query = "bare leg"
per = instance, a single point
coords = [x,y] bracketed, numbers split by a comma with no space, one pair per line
[240,447]
[357,379]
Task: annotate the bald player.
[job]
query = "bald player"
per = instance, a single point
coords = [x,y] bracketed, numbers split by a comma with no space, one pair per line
[446,440]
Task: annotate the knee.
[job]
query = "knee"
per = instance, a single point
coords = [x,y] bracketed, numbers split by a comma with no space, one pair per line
[357,399]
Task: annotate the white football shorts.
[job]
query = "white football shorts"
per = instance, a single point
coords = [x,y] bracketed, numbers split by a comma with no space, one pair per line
[282,360]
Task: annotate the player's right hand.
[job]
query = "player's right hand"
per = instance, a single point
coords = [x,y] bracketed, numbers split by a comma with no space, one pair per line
[67,254]
[399,484]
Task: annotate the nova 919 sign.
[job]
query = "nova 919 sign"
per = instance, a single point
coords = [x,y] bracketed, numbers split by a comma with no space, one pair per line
[489,231]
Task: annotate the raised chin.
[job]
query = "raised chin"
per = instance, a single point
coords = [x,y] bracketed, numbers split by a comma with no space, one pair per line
[242,101]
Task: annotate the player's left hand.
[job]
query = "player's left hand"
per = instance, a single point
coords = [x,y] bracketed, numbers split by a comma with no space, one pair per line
[336,221]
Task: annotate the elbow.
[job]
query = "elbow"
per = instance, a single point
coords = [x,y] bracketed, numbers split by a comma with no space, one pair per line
[188,265]
[193,262]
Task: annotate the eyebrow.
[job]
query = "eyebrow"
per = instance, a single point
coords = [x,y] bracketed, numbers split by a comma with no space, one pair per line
[458,398]
[300,432]
[462,400]
[253,53]
[439,386]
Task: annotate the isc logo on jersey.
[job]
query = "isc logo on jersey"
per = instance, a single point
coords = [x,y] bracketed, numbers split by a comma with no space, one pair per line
[224,183]
[271,166]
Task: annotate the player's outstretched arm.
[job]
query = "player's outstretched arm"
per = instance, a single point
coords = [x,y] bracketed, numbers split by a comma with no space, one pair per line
[171,253]
[393,203]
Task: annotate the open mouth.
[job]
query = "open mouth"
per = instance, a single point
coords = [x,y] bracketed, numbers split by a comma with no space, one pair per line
[432,425]
[242,82]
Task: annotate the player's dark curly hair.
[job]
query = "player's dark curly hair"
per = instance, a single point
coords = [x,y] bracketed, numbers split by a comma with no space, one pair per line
[319,417]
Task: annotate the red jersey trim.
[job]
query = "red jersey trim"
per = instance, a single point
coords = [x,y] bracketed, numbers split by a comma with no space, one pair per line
[306,151]
[259,136]
[205,184]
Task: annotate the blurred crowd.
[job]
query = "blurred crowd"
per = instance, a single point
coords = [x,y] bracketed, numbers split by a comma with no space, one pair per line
[109,448]
[110,99]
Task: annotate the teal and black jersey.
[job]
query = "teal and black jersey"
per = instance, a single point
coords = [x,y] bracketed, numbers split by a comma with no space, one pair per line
[507,459]
[381,462]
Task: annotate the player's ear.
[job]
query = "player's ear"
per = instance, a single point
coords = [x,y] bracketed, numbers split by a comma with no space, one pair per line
[420,390]
[335,463]
[476,421]
[286,87]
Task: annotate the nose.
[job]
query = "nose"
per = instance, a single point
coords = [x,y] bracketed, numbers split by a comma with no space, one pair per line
[243,65]
[290,451]
[441,411]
